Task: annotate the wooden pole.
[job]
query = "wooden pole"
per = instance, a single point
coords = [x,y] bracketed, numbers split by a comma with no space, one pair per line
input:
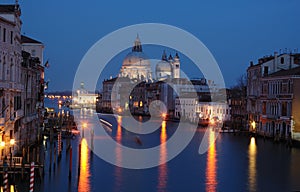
[79,157]
[5,179]
[31,177]
[70,164]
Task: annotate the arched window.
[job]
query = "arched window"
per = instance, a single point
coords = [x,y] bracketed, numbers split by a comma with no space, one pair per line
[282,60]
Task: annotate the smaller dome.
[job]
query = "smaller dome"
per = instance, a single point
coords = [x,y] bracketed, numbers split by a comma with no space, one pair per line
[163,69]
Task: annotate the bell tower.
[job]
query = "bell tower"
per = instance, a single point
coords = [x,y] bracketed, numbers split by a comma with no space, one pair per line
[176,66]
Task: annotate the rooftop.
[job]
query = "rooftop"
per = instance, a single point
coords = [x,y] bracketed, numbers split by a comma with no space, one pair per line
[25,39]
[7,8]
[289,72]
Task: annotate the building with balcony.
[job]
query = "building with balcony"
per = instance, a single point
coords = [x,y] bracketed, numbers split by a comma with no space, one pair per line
[32,100]
[11,87]
[237,100]
[21,83]
[272,95]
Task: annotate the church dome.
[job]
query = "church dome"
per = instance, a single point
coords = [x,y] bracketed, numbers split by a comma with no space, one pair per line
[136,63]
[135,58]
[163,68]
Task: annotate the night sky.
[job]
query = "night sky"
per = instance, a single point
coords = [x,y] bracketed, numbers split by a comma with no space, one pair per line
[235,31]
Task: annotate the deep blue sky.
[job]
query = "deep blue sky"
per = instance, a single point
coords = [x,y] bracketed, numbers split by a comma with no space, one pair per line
[235,31]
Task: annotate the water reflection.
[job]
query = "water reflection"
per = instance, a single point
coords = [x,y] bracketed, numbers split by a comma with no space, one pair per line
[84,177]
[163,169]
[211,169]
[252,164]
[118,151]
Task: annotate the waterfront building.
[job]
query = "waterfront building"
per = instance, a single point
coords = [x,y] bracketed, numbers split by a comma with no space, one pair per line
[21,84]
[82,98]
[135,88]
[272,95]
[237,100]
[193,109]
[136,65]
[10,77]
[32,77]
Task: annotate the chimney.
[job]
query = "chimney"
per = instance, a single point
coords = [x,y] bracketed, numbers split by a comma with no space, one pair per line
[251,63]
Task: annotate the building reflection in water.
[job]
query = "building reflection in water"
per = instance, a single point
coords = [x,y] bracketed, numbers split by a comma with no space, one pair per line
[118,151]
[84,177]
[211,169]
[252,164]
[163,169]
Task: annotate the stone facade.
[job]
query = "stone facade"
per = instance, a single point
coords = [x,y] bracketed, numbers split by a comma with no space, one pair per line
[272,92]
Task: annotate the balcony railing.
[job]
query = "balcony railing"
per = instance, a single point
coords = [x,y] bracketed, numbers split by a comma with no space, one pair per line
[18,114]
[4,85]
[270,116]
[30,118]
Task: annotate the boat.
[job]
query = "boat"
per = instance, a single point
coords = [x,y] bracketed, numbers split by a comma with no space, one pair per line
[138,140]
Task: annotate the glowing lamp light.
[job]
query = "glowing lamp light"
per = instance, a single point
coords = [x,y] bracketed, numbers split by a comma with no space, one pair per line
[164,115]
[120,110]
[253,124]
[12,141]
[84,125]
[200,115]
[2,143]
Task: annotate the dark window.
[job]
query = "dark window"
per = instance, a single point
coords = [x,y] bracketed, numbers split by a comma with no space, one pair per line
[284,109]
[11,37]
[266,70]
[264,108]
[282,60]
[17,103]
[4,34]
[10,134]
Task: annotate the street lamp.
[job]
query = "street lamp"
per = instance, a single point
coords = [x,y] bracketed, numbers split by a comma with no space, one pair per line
[12,141]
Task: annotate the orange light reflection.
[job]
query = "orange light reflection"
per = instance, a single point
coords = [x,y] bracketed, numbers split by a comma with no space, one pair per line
[252,165]
[84,182]
[163,169]
[211,169]
[118,151]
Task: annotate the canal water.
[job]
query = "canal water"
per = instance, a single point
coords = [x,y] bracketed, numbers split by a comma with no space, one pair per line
[232,163]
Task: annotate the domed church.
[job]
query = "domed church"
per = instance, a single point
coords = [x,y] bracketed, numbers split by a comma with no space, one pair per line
[136,65]
[168,68]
